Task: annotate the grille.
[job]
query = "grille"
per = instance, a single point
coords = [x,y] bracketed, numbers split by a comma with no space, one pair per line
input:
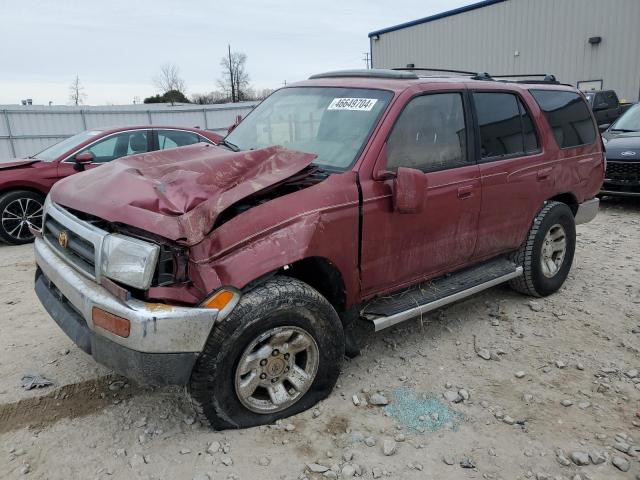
[627,172]
[78,251]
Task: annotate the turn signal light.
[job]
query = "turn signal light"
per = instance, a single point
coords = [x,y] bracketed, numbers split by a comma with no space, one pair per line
[110,322]
[219,300]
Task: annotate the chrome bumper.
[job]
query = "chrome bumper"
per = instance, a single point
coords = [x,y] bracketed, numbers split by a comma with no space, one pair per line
[155,328]
[587,211]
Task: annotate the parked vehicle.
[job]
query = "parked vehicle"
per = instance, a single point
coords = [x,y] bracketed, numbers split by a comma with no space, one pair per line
[24,183]
[606,107]
[239,269]
[622,145]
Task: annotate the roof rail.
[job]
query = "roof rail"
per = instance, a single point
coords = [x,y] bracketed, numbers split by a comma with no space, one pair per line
[424,69]
[546,77]
[370,73]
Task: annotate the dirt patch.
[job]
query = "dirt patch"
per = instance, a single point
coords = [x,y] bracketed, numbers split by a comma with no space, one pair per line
[69,401]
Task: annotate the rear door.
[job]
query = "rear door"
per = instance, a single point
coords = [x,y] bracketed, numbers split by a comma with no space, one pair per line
[516,176]
[431,134]
[174,138]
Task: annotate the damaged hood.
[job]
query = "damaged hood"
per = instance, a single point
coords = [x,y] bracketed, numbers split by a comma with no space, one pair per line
[177,194]
[16,163]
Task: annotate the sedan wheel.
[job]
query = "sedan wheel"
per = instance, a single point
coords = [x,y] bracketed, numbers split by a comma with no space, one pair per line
[19,210]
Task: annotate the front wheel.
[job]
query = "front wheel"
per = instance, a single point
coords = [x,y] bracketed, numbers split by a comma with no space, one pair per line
[278,353]
[547,253]
[18,210]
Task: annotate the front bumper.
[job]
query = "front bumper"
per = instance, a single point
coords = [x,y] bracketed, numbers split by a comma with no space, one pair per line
[587,211]
[164,340]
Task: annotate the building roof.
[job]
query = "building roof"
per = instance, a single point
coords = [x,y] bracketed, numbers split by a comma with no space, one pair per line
[437,16]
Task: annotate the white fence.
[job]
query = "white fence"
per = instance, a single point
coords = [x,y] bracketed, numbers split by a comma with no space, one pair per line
[26,130]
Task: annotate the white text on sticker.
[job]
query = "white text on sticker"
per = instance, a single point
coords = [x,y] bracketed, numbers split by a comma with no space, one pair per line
[360,104]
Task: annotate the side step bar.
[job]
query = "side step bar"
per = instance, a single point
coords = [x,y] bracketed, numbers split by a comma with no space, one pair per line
[382,322]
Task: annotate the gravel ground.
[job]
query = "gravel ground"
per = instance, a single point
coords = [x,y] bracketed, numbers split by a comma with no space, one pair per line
[558,398]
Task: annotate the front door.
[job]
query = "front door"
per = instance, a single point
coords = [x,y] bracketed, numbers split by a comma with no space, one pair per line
[431,135]
[110,148]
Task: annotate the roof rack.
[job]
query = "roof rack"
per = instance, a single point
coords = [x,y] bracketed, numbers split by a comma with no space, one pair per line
[368,73]
[546,77]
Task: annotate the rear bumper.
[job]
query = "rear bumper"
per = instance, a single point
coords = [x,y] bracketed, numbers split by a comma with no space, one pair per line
[163,343]
[587,211]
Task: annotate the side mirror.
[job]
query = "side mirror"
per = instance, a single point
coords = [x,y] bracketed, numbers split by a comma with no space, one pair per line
[409,188]
[603,127]
[83,159]
[235,124]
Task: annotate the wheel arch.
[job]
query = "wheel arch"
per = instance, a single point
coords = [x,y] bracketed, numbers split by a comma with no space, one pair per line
[321,274]
[568,199]
[25,188]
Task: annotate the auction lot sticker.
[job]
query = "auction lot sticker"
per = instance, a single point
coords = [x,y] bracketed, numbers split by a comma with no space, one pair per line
[357,104]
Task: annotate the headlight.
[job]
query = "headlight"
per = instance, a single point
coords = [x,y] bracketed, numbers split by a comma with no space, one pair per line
[129,260]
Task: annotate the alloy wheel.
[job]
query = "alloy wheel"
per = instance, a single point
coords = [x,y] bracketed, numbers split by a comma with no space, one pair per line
[554,248]
[276,369]
[18,215]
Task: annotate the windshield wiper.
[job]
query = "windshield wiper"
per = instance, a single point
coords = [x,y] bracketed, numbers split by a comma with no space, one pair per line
[623,130]
[229,145]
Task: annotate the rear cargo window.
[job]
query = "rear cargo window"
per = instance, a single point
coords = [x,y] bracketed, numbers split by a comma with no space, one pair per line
[568,115]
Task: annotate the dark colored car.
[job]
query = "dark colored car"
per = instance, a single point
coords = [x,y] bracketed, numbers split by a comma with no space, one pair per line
[606,107]
[24,183]
[239,269]
[622,145]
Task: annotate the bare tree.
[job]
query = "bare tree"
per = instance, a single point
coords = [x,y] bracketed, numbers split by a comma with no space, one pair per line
[76,92]
[209,98]
[235,79]
[169,79]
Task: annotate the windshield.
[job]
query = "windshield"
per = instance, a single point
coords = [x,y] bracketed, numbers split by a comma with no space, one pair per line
[60,148]
[629,121]
[333,123]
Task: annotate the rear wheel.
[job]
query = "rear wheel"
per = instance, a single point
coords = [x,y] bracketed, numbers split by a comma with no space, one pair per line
[18,210]
[278,353]
[547,253]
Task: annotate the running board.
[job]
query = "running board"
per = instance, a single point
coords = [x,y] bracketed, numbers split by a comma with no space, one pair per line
[389,311]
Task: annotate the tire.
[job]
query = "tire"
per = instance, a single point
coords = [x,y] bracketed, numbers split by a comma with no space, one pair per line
[18,208]
[538,279]
[279,305]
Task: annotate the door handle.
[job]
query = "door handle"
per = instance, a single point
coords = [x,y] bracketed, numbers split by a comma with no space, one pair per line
[544,173]
[465,192]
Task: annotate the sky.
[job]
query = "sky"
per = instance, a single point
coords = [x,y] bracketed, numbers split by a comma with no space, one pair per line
[117,47]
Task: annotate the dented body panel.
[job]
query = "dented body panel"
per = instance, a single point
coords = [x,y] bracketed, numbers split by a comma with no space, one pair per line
[178,194]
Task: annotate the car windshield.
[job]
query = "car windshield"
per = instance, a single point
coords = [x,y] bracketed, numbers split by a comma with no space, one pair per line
[629,121]
[60,148]
[333,123]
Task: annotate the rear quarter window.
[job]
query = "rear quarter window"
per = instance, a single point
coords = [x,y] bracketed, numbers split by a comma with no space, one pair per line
[568,115]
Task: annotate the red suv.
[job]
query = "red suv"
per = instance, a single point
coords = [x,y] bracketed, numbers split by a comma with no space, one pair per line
[25,182]
[239,269]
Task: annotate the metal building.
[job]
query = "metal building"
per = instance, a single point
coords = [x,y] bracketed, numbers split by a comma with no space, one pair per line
[591,44]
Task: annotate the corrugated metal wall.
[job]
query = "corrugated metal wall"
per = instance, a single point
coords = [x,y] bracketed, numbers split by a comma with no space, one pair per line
[550,36]
[25,130]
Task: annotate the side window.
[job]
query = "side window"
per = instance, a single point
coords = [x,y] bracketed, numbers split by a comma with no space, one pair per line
[528,130]
[430,134]
[505,125]
[116,146]
[176,138]
[611,99]
[568,115]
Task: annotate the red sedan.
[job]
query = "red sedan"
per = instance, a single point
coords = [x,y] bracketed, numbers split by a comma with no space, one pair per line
[24,183]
